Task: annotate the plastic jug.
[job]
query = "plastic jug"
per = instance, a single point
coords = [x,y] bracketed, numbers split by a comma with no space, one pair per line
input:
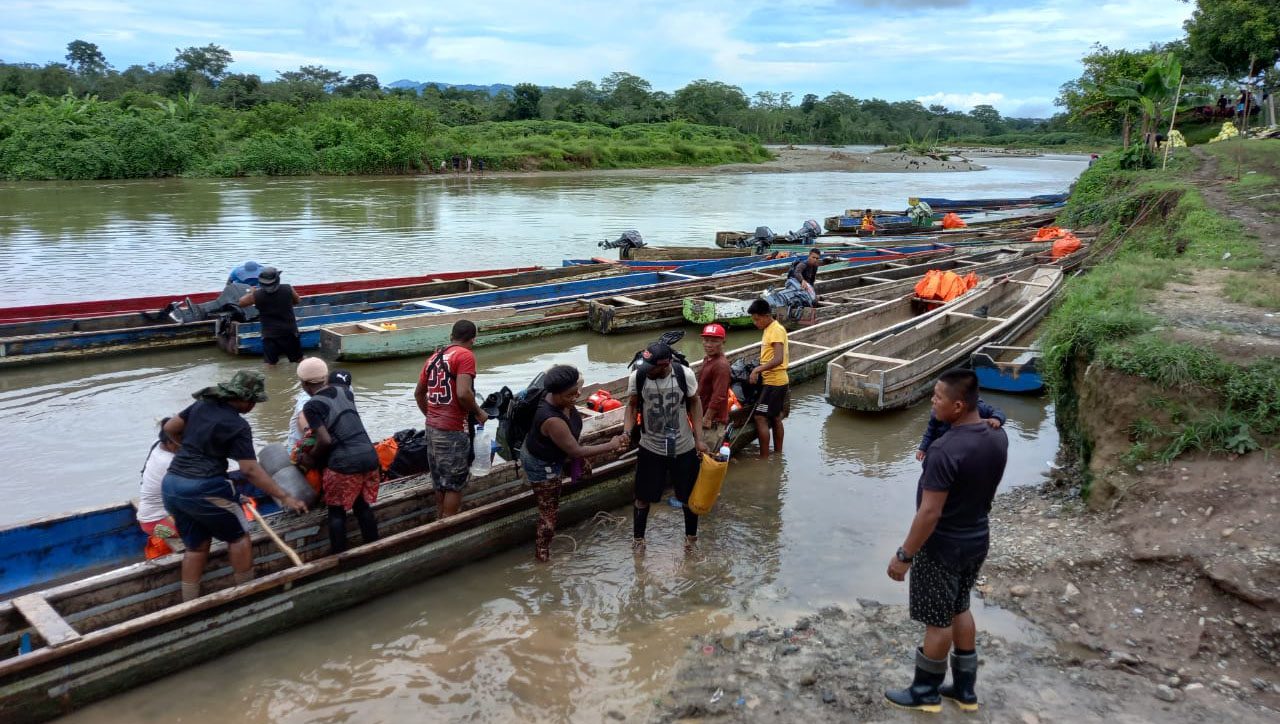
[481,446]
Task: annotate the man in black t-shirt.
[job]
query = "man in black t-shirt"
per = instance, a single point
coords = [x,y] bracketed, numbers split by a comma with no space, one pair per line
[275,303]
[947,544]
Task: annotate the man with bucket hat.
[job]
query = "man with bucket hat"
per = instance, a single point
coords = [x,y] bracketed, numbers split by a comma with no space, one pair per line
[713,387]
[275,303]
[196,489]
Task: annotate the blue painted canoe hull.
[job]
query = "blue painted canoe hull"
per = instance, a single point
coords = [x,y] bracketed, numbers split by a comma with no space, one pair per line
[1041,200]
[55,548]
[1023,378]
[245,337]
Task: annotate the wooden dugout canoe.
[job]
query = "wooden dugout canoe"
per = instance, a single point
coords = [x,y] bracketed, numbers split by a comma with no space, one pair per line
[610,315]
[47,340]
[421,334]
[731,308]
[895,370]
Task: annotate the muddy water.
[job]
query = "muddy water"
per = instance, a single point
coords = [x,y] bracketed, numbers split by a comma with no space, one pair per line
[598,629]
[595,631]
[67,241]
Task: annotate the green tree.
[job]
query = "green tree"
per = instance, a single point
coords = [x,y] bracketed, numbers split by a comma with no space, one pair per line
[1087,104]
[624,90]
[209,61]
[1242,36]
[85,58]
[316,75]
[524,107]
[361,84]
[989,117]
[710,102]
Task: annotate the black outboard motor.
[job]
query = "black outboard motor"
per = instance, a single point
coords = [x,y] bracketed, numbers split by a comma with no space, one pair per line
[739,381]
[630,239]
[807,234]
[227,303]
[761,240]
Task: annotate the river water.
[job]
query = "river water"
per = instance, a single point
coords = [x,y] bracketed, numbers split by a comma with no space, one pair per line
[597,630]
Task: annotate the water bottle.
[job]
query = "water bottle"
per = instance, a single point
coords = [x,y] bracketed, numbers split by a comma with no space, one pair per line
[725,452]
[480,446]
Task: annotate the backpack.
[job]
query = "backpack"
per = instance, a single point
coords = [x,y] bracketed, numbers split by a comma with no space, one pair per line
[514,427]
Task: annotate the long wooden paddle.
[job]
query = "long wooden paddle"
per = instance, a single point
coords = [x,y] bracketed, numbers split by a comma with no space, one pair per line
[251,508]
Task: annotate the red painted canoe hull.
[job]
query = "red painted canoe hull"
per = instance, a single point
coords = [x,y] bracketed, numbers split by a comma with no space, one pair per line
[103,307]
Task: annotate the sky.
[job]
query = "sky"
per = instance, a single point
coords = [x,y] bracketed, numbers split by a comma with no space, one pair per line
[1012,55]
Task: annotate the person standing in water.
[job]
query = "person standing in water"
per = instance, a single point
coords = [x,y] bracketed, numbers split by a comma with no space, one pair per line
[772,372]
[196,490]
[552,446]
[275,303]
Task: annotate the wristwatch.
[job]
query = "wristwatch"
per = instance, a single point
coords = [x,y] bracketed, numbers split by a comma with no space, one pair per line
[902,555]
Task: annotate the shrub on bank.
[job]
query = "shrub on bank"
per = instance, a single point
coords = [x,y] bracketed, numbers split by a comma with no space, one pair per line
[1156,227]
[139,137]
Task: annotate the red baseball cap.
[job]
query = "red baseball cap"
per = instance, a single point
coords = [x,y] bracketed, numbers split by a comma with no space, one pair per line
[713,330]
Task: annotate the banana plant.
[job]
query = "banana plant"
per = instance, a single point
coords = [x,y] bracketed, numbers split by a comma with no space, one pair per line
[1154,93]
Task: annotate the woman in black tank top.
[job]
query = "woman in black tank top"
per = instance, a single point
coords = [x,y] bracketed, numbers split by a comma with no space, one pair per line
[552,441]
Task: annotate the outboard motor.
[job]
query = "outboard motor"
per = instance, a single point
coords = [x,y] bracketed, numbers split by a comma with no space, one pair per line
[808,233]
[227,303]
[761,240]
[630,239]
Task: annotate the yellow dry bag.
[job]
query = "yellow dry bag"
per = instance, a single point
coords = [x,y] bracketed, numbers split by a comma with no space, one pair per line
[707,488]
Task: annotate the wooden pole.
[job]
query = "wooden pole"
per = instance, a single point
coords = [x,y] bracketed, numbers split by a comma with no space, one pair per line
[1168,139]
[284,547]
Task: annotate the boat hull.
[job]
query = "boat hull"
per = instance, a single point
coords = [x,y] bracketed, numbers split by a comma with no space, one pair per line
[1002,371]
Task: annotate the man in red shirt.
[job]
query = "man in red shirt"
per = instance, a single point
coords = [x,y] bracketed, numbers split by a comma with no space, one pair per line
[713,387]
[446,395]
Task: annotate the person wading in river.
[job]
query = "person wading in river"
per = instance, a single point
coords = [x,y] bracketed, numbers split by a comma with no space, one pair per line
[196,490]
[713,387]
[772,371]
[345,452]
[275,302]
[947,544]
[668,446]
[446,395]
[552,443]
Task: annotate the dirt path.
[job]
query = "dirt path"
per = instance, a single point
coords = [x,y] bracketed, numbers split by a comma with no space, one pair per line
[1265,228]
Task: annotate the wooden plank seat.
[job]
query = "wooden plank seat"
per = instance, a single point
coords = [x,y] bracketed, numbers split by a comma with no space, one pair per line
[50,625]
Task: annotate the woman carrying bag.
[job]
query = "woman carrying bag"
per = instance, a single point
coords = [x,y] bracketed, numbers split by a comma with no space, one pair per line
[552,444]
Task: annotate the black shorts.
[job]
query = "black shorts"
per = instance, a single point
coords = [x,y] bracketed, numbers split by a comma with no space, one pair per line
[274,347]
[654,472]
[773,401]
[939,591]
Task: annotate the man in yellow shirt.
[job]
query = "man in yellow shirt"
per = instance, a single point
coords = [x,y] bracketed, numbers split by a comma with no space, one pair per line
[772,372]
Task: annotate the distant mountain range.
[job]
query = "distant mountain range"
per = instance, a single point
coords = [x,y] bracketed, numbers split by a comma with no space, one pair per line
[492,90]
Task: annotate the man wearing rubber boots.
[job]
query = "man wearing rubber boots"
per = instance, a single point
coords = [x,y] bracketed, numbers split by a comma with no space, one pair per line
[947,544]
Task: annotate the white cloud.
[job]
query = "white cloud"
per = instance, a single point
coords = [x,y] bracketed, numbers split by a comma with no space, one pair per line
[1016,53]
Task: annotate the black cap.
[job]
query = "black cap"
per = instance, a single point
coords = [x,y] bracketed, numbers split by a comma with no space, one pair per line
[269,278]
[340,377]
[657,352]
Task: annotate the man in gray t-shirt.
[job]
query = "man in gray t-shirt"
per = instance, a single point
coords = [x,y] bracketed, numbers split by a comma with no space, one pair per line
[669,449]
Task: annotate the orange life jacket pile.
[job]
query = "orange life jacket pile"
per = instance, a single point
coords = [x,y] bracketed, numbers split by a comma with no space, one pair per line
[943,286]
[1064,242]
[952,221]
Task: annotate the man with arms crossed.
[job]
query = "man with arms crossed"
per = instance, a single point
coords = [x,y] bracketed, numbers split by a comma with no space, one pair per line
[947,544]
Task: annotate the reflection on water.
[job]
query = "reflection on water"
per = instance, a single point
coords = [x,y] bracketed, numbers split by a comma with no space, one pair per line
[93,240]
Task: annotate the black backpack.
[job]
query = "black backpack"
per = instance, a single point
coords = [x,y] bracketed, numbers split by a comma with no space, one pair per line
[514,427]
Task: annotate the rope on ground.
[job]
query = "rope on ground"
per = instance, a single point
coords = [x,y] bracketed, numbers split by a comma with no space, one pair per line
[570,538]
[605,519]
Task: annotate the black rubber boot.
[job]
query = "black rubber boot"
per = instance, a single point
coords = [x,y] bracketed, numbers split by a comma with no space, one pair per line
[922,695]
[964,675]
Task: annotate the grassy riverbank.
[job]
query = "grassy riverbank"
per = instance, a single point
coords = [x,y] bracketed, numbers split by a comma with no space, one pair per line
[71,138]
[1178,306]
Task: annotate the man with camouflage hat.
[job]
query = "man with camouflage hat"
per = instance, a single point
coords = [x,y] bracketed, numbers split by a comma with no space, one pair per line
[196,489]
